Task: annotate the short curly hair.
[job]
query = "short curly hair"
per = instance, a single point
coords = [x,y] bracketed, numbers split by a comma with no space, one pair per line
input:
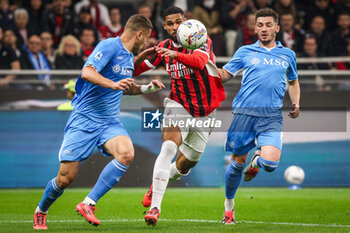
[267,12]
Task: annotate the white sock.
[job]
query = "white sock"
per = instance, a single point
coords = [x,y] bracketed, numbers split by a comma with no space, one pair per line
[89,201]
[38,210]
[229,204]
[161,172]
[174,174]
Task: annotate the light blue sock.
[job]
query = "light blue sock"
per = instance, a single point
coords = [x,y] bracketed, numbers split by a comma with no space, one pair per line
[233,177]
[266,164]
[108,178]
[51,193]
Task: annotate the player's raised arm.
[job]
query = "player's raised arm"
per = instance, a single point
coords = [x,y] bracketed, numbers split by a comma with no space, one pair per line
[140,65]
[294,94]
[146,54]
[197,60]
[90,74]
[146,60]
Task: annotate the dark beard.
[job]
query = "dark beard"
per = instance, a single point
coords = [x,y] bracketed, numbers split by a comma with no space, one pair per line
[175,39]
[135,51]
[266,42]
[171,37]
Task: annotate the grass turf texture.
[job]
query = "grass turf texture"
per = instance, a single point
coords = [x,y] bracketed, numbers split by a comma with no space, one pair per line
[120,210]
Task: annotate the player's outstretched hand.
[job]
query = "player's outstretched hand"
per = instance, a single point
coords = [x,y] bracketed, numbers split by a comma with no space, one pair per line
[145,54]
[124,84]
[166,52]
[295,112]
[158,84]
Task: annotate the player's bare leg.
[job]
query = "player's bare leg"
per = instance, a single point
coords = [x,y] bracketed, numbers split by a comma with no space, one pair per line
[123,151]
[184,165]
[67,173]
[53,190]
[171,140]
[233,177]
[271,153]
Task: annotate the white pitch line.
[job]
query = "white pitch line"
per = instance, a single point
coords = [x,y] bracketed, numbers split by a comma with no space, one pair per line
[194,220]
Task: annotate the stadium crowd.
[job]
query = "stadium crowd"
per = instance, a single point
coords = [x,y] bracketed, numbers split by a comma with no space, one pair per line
[61,34]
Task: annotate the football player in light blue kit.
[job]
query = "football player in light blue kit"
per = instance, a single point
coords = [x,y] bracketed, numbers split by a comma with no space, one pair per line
[105,77]
[257,106]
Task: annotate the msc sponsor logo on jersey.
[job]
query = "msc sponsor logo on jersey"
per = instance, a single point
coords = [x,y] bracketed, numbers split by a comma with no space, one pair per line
[122,70]
[116,68]
[255,61]
[271,61]
[276,62]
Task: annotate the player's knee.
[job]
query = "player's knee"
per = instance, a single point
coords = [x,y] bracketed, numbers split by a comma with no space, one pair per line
[64,180]
[126,157]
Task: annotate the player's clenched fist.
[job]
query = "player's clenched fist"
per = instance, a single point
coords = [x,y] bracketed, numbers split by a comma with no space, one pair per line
[124,84]
[295,112]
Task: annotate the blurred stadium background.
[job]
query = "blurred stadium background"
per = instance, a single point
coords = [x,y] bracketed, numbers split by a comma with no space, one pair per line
[31,128]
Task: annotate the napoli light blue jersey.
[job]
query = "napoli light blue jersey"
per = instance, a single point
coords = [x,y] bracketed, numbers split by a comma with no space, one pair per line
[114,62]
[264,78]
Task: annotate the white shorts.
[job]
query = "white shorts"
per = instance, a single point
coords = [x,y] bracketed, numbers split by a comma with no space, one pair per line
[194,134]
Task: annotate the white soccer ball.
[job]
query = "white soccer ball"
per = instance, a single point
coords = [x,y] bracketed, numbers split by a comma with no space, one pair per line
[192,34]
[294,175]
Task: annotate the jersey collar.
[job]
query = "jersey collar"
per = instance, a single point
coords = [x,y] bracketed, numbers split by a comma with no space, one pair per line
[257,44]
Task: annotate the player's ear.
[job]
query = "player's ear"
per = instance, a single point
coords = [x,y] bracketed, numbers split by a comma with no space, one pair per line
[277,29]
[139,35]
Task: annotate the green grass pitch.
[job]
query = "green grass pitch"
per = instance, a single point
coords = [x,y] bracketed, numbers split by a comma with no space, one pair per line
[187,210]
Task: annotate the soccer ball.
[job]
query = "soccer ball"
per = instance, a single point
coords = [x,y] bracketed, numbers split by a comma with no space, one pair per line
[192,34]
[294,175]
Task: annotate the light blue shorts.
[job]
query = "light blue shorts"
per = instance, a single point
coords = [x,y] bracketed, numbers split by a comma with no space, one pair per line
[82,134]
[247,132]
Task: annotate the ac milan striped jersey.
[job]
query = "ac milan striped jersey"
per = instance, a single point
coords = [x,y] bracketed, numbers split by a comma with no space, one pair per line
[195,82]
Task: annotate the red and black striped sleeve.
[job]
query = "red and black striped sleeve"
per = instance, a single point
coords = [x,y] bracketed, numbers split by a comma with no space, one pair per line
[199,58]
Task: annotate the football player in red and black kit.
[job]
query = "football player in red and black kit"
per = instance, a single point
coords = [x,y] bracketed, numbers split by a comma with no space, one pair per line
[196,91]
